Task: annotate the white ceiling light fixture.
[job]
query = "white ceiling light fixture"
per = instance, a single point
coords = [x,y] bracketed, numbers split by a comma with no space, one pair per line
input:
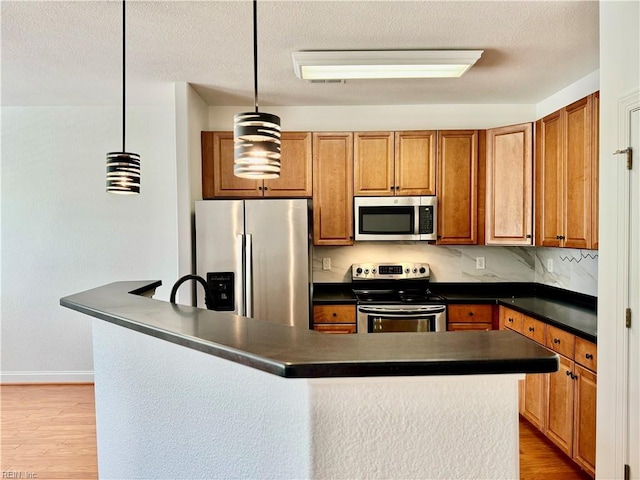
[377,64]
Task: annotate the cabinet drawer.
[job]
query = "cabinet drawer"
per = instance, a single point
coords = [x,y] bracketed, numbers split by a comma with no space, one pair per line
[586,354]
[457,327]
[469,313]
[511,319]
[560,341]
[335,328]
[334,314]
[534,329]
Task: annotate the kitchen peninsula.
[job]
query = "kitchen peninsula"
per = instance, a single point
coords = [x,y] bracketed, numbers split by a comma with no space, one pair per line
[183,392]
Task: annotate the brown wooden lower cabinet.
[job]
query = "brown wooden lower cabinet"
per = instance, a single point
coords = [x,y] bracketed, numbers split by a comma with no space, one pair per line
[534,404]
[562,405]
[332,318]
[469,317]
[584,431]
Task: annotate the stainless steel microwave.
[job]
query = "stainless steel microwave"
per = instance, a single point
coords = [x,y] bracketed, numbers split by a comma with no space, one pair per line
[395,218]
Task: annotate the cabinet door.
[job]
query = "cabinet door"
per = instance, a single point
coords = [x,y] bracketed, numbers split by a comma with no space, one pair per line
[373,163]
[595,169]
[560,406]
[509,206]
[457,187]
[415,162]
[219,147]
[333,188]
[534,406]
[577,178]
[584,431]
[549,187]
[295,167]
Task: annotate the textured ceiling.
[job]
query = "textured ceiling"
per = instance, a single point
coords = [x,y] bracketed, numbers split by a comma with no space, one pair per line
[69,53]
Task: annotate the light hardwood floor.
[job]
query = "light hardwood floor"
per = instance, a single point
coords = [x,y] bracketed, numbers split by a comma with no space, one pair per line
[49,432]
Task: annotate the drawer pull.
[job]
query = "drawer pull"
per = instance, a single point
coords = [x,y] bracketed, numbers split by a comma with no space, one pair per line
[335,314]
[531,329]
[589,356]
[510,320]
[471,314]
[556,340]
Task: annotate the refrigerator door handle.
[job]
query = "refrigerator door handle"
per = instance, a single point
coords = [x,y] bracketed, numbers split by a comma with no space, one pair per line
[248,275]
[239,280]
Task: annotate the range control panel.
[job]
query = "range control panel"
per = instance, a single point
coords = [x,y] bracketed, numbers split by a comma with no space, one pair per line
[393,271]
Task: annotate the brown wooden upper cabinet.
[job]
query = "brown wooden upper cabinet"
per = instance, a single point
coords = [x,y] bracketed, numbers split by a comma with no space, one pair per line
[218,180]
[395,163]
[566,176]
[509,187]
[333,188]
[457,187]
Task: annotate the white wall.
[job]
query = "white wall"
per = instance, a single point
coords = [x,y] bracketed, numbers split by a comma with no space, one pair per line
[619,76]
[384,117]
[191,120]
[62,233]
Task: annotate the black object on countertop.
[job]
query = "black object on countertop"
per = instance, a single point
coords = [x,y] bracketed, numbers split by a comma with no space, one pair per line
[300,353]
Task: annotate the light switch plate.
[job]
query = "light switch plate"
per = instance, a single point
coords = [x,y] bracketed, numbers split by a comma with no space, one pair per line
[550,265]
[326,263]
[480,263]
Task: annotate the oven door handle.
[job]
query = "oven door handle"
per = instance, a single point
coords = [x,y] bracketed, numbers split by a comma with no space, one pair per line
[403,312]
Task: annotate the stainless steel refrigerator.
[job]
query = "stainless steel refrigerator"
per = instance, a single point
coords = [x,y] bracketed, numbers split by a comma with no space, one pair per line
[254,255]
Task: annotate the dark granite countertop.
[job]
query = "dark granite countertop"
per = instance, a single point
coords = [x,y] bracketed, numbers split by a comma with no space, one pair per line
[300,353]
[569,311]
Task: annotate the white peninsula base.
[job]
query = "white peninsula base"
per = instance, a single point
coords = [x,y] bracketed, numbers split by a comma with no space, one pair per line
[169,412]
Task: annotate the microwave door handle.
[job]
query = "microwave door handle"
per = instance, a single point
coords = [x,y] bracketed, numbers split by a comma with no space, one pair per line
[416,220]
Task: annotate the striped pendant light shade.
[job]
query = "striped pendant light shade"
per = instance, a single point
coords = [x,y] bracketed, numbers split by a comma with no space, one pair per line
[123,172]
[256,137]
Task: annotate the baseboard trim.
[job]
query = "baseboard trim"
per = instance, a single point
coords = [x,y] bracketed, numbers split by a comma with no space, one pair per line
[46,377]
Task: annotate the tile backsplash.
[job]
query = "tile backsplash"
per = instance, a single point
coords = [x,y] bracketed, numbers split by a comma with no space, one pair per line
[575,270]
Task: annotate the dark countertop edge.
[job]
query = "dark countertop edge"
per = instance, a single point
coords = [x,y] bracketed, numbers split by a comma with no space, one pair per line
[324,369]
[550,321]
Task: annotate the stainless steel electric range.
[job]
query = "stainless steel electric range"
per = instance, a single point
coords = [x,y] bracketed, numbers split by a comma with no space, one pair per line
[395,297]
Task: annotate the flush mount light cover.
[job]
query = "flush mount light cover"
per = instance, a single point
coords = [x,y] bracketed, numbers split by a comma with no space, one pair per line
[370,64]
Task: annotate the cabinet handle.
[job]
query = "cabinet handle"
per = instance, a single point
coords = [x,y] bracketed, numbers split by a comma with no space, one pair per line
[260,188]
[266,188]
[569,373]
[589,356]
[574,377]
[335,314]
[528,235]
[556,340]
[531,329]
[510,320]
[471,314]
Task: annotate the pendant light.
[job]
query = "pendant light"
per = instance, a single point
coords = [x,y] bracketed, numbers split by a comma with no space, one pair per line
[123,168]
[256,135]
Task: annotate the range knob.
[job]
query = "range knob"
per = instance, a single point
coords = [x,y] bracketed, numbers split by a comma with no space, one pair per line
[423,270]
[373,271]
[358,271]
[415,270]
[366,270]
[407,271]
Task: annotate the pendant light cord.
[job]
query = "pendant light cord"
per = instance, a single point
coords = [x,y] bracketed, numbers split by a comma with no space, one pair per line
[255,55]
[124,84]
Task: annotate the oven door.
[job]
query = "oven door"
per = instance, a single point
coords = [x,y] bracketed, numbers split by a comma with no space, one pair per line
[401,318]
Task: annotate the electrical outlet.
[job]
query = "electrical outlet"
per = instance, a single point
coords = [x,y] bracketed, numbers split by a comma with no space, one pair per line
[480,263]
[550,265]
[326,263]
